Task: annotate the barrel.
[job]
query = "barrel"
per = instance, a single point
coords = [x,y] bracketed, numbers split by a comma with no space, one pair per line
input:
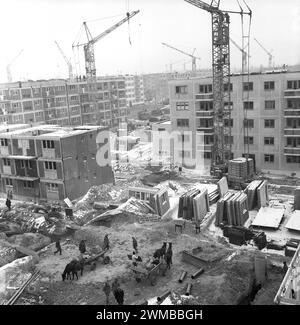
[188,289]
[182,276]
[163,296]
[197,273]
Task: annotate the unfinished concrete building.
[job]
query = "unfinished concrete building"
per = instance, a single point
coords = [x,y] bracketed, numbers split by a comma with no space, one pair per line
[62,102]
[272,112]
[52,163]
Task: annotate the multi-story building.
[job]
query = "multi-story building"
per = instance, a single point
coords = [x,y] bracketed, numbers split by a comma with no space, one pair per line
[134,90]
[265,118]
[50,162]
[64,103]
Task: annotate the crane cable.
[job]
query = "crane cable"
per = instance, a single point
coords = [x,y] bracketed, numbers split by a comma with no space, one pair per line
[128,15]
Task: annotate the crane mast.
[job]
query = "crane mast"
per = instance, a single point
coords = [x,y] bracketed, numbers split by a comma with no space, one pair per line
[221,151]
[271,57]
[89,54]
[194,68]
[70,68]
[8,71]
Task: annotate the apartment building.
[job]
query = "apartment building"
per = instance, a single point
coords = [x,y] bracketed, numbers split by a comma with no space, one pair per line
[51,163]
[134,90]
[268,105]
[61,102]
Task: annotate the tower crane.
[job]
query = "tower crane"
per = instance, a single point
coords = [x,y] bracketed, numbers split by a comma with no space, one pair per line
[221,151]
[244,53]
[271,57]
[70,68]
[188,54]
[8,71]
[88,47]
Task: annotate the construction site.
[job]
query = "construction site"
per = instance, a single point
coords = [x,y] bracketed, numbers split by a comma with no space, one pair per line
[189,197]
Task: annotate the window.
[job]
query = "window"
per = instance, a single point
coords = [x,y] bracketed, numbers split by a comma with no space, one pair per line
[248,140]
[28,184]
[249,123]
[228,139]
[8,182]
[293,84]
[248,105]
[6,162]
[228,123]
[269,123]
[269,158]
[26,164]
[4,142]
[182,122]
[269,141]
[226,87]
[293,159]
[182,106]
[52,187]
[269,104]
[204,89]
[293,142]
[183,138]
[181,89]
[48,144]
[207,155]
[50,165]
[204,106]
[269,85]
[247,86]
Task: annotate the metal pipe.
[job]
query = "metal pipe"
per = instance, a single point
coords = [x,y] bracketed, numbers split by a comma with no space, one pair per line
[163,296]
[182,276]
[188,289]
[197,273]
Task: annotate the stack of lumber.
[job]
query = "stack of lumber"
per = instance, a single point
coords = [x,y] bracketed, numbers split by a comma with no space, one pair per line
[257,192]
[193,205]
[238,170]
[232,209]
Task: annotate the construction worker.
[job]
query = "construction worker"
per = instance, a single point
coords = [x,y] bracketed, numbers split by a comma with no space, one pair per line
[82,247]
[135,258]
[119,296]
[58,247]
[8,203]
[106,290]
[134,244]
[285,267]
[106,242]
[115,284]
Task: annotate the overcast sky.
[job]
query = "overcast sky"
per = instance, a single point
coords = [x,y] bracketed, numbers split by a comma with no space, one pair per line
[34,25]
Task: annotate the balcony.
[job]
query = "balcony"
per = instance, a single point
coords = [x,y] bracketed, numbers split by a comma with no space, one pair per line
[292,93]
[4,151]
[48,153]
[291,112]
[289,132]
[208,96]
[206,130]
[50,174]
[291,151]
[205,114]
[7,170]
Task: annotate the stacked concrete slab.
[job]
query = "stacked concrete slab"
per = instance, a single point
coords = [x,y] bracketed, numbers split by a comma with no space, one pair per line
[232,209]
[257,192]
[240,170]
[193,205]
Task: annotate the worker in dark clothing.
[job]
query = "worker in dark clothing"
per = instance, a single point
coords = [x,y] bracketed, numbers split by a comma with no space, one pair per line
[119,296]
[285,267]
[58,247]
[8,203]
[106,243]
[115,284]
[134,244]
[82,247]
[106,290]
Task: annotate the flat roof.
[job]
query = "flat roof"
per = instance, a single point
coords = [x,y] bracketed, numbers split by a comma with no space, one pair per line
[11,127]
[294,221]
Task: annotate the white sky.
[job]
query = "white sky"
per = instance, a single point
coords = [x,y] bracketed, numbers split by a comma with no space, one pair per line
[34,25]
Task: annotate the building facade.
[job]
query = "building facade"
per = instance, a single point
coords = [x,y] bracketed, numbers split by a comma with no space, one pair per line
[61,102]
[265,118]
[51,163]
[134,90]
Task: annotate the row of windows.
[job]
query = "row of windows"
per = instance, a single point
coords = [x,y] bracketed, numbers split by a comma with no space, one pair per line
[247,86]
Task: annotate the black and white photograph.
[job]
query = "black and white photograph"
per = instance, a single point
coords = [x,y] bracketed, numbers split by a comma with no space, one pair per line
[149,156]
